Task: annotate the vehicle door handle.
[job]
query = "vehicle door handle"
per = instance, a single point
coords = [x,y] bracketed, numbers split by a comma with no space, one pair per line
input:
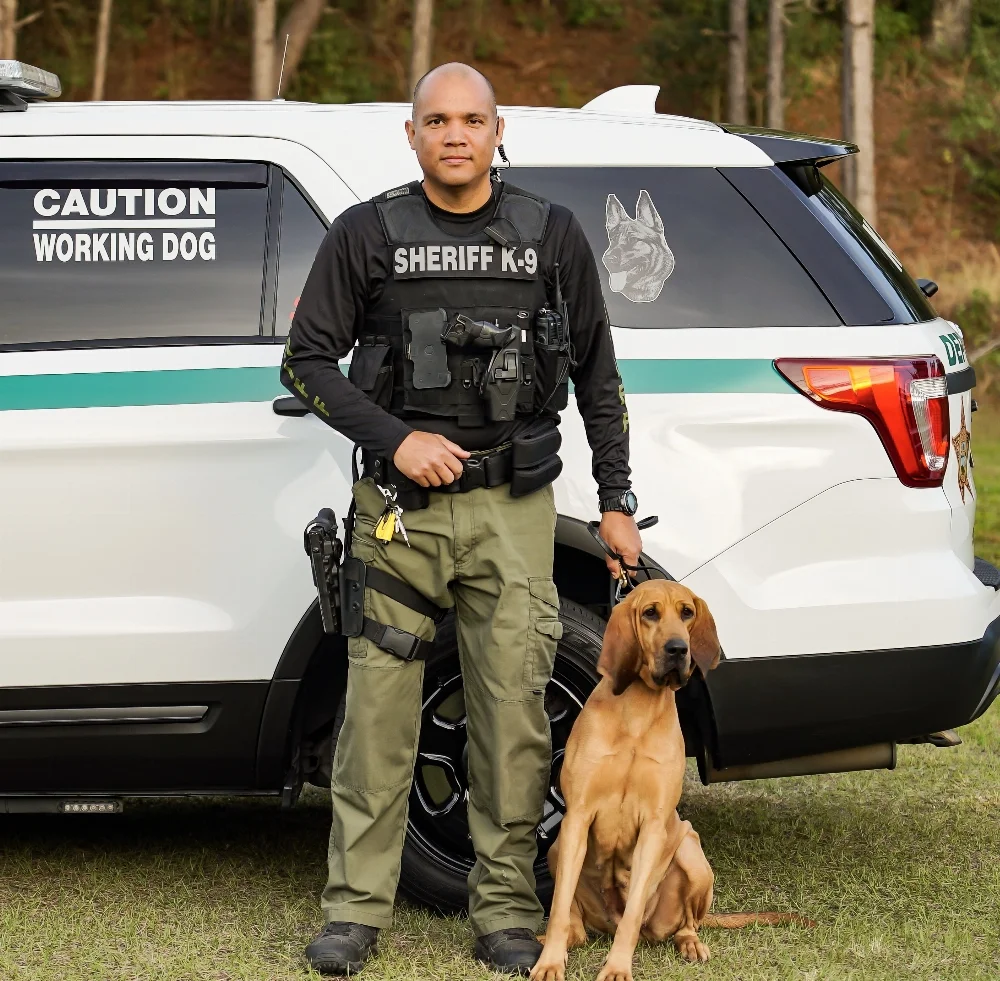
[289,406]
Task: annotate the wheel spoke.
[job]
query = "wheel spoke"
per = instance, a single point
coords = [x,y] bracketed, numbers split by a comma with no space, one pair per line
[439,737]
[455,784]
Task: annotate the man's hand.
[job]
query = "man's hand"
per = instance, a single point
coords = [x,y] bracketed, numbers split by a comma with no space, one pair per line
[620,532]
[430,459]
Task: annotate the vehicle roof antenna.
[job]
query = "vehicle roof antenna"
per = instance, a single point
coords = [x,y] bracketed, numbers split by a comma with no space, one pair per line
[281,74]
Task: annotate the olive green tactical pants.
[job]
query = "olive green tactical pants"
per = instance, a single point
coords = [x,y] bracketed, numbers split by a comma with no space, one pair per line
[490,556]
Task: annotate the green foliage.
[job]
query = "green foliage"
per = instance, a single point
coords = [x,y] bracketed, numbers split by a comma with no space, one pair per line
[337,66]
[976,123]
[687,50]
[593,13]
[978,316]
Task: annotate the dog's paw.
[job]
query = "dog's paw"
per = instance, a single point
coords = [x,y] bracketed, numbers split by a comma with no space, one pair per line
[691,948]
[549,967]
[616,969]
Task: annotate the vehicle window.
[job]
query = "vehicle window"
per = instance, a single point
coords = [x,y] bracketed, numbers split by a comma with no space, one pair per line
[302,232]
[112,253]
[866,247]
[680,247]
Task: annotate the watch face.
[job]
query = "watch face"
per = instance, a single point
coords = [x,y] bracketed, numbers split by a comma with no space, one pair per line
[631,502]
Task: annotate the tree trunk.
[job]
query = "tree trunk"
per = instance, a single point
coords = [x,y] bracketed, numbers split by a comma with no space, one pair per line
[8,31]
[736,109]
[420,55]
[299,25]
[951,26]
[859,123]
[776,64]
[265,16]
[101,56]
[848,182]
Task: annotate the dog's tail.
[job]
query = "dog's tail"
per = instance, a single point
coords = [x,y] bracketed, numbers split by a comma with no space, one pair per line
[733,921]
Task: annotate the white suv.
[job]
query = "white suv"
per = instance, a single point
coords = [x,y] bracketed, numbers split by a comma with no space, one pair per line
[799,421]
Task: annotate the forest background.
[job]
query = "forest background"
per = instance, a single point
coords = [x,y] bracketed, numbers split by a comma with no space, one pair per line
[935,74]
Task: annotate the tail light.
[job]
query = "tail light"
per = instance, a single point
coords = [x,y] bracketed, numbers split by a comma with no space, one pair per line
[905,399]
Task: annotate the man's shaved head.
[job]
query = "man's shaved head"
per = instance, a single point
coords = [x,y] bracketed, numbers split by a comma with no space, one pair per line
[457,70]
[454,132]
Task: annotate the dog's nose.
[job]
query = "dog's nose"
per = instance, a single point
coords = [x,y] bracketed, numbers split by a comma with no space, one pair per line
[675,647]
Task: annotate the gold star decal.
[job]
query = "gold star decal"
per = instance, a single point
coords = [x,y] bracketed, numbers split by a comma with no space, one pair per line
[963,452]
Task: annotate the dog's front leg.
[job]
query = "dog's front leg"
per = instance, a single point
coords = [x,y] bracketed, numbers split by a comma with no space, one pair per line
[551,964]
[649,863]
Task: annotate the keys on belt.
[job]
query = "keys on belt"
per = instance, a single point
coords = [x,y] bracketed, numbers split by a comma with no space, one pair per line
[391,518]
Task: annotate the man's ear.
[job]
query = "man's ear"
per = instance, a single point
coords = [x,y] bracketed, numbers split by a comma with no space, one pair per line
[619,660]
[705,647]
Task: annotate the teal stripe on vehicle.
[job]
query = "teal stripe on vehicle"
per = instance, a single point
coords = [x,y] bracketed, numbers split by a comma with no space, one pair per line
[690,375]
[107,389]
[192,386]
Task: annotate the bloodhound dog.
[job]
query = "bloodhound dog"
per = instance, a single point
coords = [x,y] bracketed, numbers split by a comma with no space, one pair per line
[624,861]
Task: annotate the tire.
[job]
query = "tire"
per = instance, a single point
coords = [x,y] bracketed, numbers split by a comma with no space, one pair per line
[438,855]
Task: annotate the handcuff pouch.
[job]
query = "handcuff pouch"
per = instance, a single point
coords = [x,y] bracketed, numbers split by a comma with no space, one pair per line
[535,459]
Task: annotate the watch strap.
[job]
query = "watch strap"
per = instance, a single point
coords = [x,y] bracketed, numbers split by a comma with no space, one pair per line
[612,503]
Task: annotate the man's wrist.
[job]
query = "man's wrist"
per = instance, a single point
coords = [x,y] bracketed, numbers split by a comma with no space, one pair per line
[623,501]
[398,437]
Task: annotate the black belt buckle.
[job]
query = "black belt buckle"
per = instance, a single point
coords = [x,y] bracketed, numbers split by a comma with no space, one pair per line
[399,643]
[473,473]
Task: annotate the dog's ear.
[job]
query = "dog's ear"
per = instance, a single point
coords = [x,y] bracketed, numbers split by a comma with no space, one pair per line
[614,214]
[619,658]
[705,647]
[647,213]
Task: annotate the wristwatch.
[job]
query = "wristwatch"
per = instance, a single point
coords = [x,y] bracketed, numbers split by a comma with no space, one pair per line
[626,501]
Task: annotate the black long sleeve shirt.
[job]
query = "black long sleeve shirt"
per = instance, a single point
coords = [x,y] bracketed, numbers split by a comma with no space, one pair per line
[348,276]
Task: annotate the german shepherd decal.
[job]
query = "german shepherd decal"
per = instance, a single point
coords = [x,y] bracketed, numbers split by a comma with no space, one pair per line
[638,257]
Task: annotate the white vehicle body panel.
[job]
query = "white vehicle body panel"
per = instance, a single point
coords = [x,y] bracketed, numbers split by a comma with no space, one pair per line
[184,521]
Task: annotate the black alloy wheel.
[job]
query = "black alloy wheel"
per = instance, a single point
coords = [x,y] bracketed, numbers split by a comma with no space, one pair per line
[438,854]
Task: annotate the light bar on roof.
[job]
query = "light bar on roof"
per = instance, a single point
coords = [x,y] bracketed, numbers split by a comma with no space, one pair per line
[28,81]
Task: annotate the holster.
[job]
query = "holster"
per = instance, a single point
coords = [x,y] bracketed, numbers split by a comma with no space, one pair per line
[535,460]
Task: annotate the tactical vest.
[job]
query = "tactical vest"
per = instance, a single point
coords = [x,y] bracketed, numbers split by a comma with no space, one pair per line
[452,334]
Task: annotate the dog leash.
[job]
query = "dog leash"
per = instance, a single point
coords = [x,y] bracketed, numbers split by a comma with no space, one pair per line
[623,583]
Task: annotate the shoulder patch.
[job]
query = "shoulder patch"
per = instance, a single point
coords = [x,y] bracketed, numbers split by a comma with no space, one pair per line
[396,192]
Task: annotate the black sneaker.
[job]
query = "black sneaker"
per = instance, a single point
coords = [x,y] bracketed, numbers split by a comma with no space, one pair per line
[342,948]
[514,950]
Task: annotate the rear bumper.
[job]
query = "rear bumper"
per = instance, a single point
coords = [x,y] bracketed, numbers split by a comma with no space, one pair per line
[778,707]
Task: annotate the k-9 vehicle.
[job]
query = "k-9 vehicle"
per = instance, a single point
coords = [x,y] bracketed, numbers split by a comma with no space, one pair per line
[800,421]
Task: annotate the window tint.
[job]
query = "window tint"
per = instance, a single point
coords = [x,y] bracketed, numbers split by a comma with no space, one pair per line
[302,232]
[680,247]
[866,247]
[115,253]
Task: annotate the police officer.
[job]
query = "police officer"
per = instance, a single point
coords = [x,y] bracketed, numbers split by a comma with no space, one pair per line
[446,290]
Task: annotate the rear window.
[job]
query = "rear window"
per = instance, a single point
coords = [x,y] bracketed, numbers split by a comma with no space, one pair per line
[866,247]
[124,250]
[680,247]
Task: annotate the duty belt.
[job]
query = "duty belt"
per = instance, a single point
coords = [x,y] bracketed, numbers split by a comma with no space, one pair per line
[486,468]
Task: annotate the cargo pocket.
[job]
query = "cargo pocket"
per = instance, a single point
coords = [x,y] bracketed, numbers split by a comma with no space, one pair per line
[371,371]
[544,631]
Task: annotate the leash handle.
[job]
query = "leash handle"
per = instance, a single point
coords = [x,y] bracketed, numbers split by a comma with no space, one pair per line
[623,583]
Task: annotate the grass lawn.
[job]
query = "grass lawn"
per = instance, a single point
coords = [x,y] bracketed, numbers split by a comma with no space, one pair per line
[901,870]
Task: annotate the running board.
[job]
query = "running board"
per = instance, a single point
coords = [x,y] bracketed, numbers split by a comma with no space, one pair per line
[61,805]
[881,756]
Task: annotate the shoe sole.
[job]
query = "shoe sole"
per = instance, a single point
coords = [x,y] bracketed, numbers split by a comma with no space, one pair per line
[504,968]
[335,968]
